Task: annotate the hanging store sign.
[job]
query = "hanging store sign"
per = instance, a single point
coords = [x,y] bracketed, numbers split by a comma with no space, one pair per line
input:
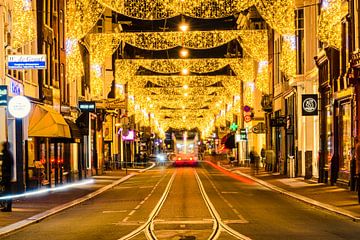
[309,104]
[3,95]
[243,134]
[16,62]
[19,106]
[355,59]
[87,106]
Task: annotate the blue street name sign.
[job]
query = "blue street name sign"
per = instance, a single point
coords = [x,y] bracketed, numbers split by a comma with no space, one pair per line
[27,61]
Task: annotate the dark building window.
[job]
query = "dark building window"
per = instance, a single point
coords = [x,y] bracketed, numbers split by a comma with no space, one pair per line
[299,24]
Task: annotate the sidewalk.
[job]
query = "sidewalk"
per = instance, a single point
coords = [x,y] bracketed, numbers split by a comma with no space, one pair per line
[332,198]
[30,209]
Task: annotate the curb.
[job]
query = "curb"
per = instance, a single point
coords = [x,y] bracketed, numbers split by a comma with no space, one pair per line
[38,217]
[307,200]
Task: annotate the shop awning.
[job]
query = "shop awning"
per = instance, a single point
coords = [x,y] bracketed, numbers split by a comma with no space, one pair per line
[46,122]
[74,130]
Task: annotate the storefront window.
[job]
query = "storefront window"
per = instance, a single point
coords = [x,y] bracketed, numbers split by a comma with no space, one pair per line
[329,133]
[345,136]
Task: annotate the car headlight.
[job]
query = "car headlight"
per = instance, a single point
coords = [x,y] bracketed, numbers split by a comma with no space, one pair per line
[161,158]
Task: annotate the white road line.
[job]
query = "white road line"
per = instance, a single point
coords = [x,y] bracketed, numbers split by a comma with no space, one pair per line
[114,211]
[163,222]
[132,212]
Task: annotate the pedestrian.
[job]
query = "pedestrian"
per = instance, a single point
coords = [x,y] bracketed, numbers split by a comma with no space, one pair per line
[334,169]
[254,159]
[7,174]
[263,155]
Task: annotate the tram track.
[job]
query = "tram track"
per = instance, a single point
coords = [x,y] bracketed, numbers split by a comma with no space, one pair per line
[218,225]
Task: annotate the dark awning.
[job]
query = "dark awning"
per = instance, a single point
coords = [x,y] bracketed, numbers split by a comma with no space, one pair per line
[74,130]
[83,123]
[230,141]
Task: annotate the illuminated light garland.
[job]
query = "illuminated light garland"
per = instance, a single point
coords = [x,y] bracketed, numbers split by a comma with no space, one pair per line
[98,53]
[249,88]
[161,9]
[329,30]
[262,79]
[180,81]
[255,43]
[81,16]
[23,24]
[125,69]
[279,14]
[244,70]
[190,91]
[288,56]
[193,39]
[74,63]
[168,40]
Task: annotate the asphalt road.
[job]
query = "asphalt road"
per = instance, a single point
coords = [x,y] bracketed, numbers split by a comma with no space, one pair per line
[185,203]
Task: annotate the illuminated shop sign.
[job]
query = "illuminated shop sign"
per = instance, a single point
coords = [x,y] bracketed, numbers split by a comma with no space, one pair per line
[309,104]
[86,106]
[19,106]
[129,137]
[3,95]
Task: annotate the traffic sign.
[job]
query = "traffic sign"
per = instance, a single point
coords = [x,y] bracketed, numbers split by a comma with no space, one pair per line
[247,108]
[247,118]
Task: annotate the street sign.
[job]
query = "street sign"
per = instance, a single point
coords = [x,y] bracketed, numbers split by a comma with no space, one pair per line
[27,61]
[3,95]
[247,118]
[247,108]
[243,134]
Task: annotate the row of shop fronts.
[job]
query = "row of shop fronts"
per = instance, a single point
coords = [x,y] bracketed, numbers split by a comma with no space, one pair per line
[321,146]
[50,149]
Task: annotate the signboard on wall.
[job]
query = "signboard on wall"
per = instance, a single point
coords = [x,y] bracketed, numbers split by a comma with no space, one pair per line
[37,61]
[309,104]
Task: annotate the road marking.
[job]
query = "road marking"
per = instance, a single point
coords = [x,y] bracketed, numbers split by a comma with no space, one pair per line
[163,222]
[234,221]
[125,219]
[137,207]
[114,211]
[132,212]
[229,192]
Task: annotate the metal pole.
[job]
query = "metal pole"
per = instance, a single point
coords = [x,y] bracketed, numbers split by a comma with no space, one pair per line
[125,148]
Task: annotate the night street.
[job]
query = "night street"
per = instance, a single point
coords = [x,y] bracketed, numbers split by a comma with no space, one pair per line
[248,209]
